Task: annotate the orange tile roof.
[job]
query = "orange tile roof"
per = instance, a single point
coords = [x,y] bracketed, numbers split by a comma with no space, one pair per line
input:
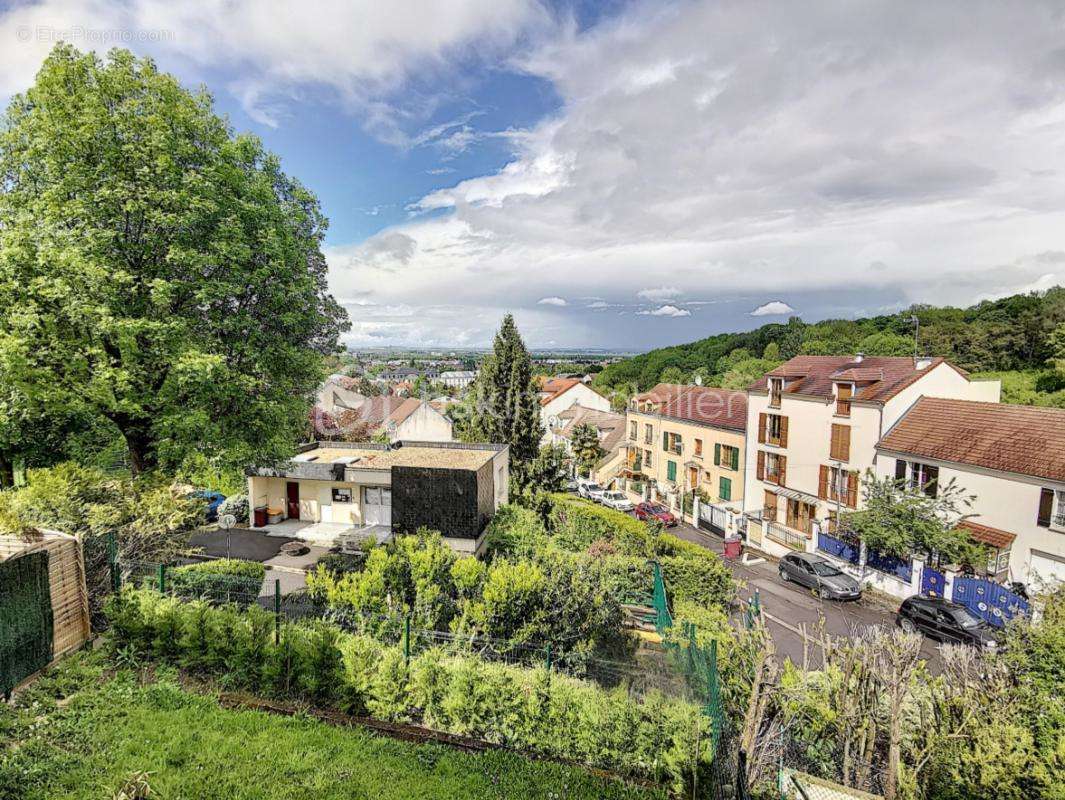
[550,388]
[661,393]
[877,378]
[1026,440]
[994,537]
[708,405]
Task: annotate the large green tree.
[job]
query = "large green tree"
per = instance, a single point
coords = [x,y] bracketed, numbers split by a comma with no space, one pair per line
[156,270]
[506,405]
[586,448]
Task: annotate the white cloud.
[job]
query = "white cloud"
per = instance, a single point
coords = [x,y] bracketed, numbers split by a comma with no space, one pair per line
[772,308]
[661,293]
[552,301]
[666,311]
[599,304]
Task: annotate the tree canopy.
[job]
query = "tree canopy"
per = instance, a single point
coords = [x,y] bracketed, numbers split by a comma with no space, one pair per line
[157,271]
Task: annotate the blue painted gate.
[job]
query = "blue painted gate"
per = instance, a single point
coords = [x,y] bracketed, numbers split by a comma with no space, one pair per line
[988,600]
[933,582]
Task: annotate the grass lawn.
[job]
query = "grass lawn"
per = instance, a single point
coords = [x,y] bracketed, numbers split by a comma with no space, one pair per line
[81,734]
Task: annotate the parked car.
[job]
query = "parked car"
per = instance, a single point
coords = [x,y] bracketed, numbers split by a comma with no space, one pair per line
[649,511]
[591,491]
[571,485]
[945,621]
[213,500]
[819,574]
[617,501]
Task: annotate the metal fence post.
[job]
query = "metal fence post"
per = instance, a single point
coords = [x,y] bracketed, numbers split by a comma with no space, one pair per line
[277,610]
[406,639]
[162,579]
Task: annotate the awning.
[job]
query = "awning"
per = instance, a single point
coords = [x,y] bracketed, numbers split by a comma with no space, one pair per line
[795,494]
[985,534]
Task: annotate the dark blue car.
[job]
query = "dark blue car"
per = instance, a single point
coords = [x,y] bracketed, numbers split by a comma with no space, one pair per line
[213,499]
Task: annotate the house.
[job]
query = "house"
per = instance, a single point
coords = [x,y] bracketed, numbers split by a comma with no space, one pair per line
[1010,458]
[338,394]
[608,425]
[687,439]
[330,489]
[558,394]
[386,416]
[814,425]
[457,379]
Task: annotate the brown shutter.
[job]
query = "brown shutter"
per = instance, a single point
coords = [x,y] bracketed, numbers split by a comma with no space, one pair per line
[782,474]
[761,468]
[822,483]
[852,489]
[783,431]
[900,470]
[761,429]
[845,443]
[833,443]
[1046,507]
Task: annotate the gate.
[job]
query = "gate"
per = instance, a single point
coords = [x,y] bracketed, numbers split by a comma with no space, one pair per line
[712,518]
[933,582]
[991,602]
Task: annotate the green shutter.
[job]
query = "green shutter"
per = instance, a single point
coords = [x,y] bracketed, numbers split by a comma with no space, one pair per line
[671,471]
[665,440]
[724,490]
[717,454]
[735,458]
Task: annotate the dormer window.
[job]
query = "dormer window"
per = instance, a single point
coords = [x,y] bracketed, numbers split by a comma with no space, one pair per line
[776,388]
[844,393]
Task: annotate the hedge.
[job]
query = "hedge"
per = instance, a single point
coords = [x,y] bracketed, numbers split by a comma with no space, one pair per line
[533,710]
[224,580]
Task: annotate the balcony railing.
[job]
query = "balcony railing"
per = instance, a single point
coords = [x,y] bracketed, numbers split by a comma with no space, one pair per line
[788,537]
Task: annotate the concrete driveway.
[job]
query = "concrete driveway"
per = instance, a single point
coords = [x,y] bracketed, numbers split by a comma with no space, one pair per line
[249,545]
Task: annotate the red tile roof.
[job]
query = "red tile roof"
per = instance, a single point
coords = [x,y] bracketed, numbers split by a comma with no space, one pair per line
[1021,439]
[661,393]
[708,405]
[877,378]
[550,388]
[995,537]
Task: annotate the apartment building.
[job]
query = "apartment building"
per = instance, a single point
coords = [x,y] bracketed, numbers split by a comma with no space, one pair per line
[1010,459]
[815,422]
[687,439]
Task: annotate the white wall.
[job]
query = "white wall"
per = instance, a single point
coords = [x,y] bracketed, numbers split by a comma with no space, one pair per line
[941,381]
[426,424]
[1004,501]
[578,393]
[316,499]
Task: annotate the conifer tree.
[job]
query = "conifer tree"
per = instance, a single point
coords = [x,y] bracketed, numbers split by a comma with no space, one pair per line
[507,408]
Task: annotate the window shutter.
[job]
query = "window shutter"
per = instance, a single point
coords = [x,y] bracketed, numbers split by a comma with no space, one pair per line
[931,486]
[717,454]
[852,489]
[761,471]
[782,474]
[783,431]
[822,483]
[845,443]
[665,440]
[724,489]
[761,428]
[833,443]
[1046,508]
[735,458]
[900,470]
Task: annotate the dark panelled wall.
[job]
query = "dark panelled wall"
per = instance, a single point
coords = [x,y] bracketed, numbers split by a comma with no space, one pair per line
[451,501]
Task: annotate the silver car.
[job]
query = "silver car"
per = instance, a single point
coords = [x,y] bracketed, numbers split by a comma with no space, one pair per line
[819,574]
[617,501]
[591,490]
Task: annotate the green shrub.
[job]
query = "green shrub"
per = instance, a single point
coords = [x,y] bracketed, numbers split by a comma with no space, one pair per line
[237,505]
[576,523]
[227,580]
[559,716]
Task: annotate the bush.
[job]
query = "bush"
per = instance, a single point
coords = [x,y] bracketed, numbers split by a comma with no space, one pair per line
[227,580]
[237,505]
[555,715]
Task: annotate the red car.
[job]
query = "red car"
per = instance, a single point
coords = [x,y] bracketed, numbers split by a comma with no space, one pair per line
[649,511]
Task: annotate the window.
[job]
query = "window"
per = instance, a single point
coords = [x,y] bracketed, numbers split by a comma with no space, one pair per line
[917,477]
[671,471]
[772,467]
[839,447]
[648,433]
[800,516]
[776,388]
[839,485]
[341,495]
[773,429]
[1059,509]
[632,430]
[724,488]
[693,477]
[844,392]
[727,456]
[672,442]
[699,448]
[769,508]
[647,458]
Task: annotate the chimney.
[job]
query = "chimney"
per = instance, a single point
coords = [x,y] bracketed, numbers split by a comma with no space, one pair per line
[859,357]
[922,362]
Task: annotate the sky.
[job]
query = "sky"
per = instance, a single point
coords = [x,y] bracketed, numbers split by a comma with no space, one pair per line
[630,174]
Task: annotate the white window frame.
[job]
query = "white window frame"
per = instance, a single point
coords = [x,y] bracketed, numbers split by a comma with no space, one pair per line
[1057,514]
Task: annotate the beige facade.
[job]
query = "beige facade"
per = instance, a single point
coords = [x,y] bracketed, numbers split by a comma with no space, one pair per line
[813,429]
[669,457]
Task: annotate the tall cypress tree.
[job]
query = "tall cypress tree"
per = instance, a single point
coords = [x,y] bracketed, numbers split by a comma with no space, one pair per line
[507,404]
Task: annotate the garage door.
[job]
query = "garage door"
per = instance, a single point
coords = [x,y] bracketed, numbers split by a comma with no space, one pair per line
[377,505]
[1045,570]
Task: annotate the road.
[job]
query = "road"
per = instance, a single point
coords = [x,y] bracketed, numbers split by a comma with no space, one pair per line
[789,608]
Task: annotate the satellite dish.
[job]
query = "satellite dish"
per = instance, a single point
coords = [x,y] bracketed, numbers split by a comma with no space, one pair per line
[227,521]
